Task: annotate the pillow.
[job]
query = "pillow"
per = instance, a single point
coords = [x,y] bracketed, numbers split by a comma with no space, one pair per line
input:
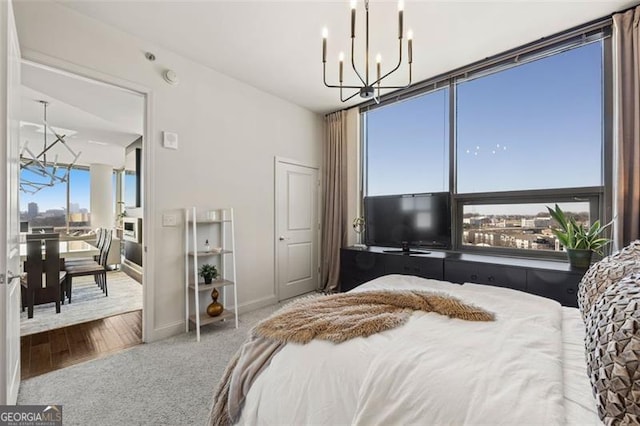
[630,252]
[602,275]
[613,352]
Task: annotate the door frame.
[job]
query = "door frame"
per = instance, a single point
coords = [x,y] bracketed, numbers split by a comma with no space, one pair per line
[10,370]
[148,198]
[276,193]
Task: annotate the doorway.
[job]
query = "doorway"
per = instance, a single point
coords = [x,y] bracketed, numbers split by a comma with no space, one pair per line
[81,133]
[297,228]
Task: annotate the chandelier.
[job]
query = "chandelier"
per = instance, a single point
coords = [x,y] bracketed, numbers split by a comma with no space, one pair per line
[48,173]
[367,88]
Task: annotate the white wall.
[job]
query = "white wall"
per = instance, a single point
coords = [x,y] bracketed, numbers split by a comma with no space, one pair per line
[229,133]
[101,199]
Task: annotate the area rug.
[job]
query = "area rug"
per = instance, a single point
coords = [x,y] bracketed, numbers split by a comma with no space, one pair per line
[88,303]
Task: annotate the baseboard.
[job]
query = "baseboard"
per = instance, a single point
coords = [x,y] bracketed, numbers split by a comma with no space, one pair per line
[176,328]
[243,308]
[133,271]
[166,331]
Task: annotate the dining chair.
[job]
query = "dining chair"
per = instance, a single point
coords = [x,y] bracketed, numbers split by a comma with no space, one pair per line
[44,279]
[100,240]
[97,269]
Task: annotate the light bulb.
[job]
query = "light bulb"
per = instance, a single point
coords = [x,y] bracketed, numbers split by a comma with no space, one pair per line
[325,32]
[378,58]
[341,56]
[354,3]
[400,5]
[410,35]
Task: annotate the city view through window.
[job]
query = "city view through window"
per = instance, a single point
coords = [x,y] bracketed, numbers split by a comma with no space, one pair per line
[519,226]
[47,207]
[518,133]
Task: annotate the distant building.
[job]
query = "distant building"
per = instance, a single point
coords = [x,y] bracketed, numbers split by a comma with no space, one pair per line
[74,207]
[32,210]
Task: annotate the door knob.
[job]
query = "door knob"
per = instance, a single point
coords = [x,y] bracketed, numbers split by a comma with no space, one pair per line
[282,238]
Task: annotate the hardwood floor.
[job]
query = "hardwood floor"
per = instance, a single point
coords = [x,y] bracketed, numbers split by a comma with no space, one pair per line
[55,349]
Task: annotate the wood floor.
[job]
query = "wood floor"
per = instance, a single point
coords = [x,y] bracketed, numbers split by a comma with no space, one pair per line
[55,349]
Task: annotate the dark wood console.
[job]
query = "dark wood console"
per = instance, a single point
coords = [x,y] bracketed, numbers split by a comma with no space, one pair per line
[552,279]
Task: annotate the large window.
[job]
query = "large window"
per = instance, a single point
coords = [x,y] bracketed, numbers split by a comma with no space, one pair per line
[522,128]
[47,208]
[526,134]
[408,146]
[79,199]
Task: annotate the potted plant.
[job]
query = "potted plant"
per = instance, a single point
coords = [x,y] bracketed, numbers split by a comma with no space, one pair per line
[208,272]
[579,241]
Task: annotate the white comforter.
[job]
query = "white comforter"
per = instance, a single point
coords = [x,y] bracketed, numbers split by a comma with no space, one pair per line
[432,370]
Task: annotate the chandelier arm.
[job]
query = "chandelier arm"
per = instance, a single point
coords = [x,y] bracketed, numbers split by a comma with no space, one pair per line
[42,154]
[399,87]
[393,70]
[334,86]
[353,63]
[350,97]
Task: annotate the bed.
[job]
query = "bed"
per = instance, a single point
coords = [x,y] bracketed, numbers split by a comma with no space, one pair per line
[526,367]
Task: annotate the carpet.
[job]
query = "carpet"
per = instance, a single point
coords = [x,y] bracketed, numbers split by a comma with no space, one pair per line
[170,382]
[88,303]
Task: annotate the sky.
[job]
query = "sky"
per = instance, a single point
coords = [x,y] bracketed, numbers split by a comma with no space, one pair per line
[534,126]
[55,197]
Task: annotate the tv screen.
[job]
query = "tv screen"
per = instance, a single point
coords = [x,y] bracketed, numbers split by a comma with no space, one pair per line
[419,220]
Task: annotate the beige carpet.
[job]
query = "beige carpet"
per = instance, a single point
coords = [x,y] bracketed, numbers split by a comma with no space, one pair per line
[88,303]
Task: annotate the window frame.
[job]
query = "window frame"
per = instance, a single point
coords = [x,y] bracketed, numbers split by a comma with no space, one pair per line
[600,198]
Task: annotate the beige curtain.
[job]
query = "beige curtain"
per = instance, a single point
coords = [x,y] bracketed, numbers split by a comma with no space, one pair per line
[626,57]
[334,201]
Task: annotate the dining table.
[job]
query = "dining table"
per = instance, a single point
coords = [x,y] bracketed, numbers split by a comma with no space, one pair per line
[68,250]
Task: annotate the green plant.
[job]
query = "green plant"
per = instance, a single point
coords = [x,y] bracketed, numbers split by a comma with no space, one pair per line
[208,272]
[577,236]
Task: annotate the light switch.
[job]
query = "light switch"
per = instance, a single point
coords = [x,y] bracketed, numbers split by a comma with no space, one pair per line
[169,219]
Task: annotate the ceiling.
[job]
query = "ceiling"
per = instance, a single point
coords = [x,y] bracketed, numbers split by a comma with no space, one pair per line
[98,120]
[276,45]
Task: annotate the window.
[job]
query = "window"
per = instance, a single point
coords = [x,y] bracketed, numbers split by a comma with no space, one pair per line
[48,206]
[518,128]
[79,199]
[527,133]
[45,208]
[524,226]
[408,146]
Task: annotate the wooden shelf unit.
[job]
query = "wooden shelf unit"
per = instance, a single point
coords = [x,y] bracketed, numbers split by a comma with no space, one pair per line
[198,228]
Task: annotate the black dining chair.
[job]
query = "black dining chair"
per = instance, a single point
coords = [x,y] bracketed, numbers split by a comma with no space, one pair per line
[97,269]
[100,240]
[44,279]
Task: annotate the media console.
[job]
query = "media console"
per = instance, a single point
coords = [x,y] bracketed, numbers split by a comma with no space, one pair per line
[547,278]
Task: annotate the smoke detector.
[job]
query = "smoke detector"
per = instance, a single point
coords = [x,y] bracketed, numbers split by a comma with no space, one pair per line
[170,77]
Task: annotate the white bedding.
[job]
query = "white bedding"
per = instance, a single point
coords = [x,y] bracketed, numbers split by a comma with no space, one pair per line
[432,370]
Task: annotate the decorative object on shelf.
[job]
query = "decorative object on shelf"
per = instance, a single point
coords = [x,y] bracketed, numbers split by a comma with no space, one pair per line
[367,88]
[214,309]
[358,228]
[49,173]
[212,215]
[579,241]
[208,272]
[207,247]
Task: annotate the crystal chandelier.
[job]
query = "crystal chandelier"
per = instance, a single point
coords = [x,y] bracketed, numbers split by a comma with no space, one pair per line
[367,88]
[48,173]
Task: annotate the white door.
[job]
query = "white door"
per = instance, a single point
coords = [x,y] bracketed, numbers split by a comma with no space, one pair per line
[297,229]
[9,168]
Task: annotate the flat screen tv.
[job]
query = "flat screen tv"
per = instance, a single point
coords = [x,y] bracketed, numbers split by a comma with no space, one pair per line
[413,220]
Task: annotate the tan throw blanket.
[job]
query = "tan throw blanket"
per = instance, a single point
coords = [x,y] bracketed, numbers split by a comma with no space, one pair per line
[336,318]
